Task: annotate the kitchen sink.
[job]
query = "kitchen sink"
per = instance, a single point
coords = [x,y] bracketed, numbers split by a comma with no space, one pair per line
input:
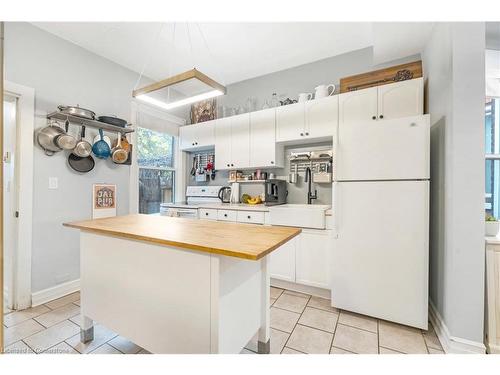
[299,215]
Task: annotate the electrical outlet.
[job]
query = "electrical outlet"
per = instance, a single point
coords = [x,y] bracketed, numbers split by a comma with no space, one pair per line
[53,182]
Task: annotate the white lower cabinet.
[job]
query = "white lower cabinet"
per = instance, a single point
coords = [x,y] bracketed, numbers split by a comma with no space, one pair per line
[304,260]
[282,265]
[313,258]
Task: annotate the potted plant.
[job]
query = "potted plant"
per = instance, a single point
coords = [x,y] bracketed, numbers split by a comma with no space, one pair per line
[492,226]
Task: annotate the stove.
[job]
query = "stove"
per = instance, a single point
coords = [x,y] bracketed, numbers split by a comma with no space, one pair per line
[195,197]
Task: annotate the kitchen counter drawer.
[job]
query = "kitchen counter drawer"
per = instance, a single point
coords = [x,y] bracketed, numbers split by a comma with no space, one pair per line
[208,214]
[226,215]
[250,217]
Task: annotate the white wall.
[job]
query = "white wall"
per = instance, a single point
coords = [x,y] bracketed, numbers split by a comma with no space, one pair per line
[454,72]
[62,73]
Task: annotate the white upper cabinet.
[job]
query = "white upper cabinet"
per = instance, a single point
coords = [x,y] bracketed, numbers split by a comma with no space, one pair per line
[395,100]
[240,141]
[264,152]
[197,136]
[290,122]
[358,106]
[232,142]
[321,117]
[306,121]
[401,99]
[223,143]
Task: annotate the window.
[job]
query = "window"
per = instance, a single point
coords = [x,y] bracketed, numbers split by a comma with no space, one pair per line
[155,157]
[492,149]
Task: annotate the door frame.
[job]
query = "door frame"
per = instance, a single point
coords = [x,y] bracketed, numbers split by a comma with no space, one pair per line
[25,125]
[179,158]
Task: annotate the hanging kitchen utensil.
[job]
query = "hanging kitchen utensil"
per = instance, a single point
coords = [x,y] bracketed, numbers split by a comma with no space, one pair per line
[82,165]
[193,168]
[46,138]
[125,144]
[82,148]
[113,120]
[129,158]
[118,154]
[101,147]
[65,140]
[77,111]
[97,138]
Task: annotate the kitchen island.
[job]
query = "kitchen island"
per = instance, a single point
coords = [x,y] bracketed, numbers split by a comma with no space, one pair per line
[174,285]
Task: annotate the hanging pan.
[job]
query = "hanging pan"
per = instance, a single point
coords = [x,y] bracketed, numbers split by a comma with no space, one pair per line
[82,165]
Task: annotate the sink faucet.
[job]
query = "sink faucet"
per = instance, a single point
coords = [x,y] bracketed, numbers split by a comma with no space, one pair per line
[308,179]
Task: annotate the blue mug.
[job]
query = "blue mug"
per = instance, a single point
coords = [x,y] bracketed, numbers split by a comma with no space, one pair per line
[101,149]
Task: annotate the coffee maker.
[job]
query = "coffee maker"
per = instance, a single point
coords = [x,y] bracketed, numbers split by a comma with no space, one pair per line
[275,192]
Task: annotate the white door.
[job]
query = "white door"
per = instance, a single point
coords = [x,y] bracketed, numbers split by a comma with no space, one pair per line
[9,196]
[290,122]
[401,99]
[358,106]
[383,150]
[240,141]
[223,143]
[282,263]
[321,117]
[263,138]
[381,256]
[313,258]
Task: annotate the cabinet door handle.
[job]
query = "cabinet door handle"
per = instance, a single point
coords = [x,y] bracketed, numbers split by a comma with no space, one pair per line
[272,162]
[307,133]
[381,116]
[374,117]
[301,134]
[249,217]
[228,165]
[232,165]
[206,213]
[225,215]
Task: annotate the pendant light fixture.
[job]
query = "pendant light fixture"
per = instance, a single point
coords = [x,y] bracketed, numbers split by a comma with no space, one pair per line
[185,88]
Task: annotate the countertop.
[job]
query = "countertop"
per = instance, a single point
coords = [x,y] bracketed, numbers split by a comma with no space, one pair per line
[245,241]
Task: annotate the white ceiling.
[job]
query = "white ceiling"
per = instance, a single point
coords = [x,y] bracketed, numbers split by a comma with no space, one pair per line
[236,51]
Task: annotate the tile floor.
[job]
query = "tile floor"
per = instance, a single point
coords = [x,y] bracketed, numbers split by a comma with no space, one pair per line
[300,324]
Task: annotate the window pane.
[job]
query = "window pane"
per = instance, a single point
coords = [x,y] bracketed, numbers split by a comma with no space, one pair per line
[492,126]
[155,187]
[154,149]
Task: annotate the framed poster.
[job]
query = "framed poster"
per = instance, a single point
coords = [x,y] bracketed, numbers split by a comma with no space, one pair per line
[205,110]
[103,201]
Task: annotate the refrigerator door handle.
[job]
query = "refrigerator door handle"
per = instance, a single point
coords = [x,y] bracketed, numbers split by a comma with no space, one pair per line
[336,209]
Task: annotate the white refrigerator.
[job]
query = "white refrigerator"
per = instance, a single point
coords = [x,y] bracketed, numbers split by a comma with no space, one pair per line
[380,210]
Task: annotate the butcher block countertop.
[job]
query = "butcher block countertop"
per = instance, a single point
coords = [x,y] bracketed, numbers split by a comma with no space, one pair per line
[245,241]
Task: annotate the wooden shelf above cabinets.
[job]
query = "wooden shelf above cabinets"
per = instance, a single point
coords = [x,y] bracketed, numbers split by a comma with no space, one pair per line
[75,120]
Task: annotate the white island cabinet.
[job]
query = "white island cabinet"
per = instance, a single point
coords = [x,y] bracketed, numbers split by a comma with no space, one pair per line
[174,285]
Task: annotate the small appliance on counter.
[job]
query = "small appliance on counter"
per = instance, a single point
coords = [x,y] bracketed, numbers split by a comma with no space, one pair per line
[275,192]
[225,194]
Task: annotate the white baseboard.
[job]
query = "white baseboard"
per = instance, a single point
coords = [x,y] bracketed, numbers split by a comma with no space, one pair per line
[452,344]
[58,291]
[312,290]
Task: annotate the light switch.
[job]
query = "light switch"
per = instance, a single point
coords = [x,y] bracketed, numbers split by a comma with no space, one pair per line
[53,182]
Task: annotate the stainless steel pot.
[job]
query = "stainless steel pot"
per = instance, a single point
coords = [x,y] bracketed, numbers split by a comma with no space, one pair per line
[65,140]
[82,148]
[46,138]
[77,111]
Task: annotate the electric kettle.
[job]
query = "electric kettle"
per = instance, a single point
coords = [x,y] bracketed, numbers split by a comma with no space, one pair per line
[225,194]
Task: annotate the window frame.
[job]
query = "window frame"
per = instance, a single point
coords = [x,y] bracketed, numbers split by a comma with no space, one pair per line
[173,122]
